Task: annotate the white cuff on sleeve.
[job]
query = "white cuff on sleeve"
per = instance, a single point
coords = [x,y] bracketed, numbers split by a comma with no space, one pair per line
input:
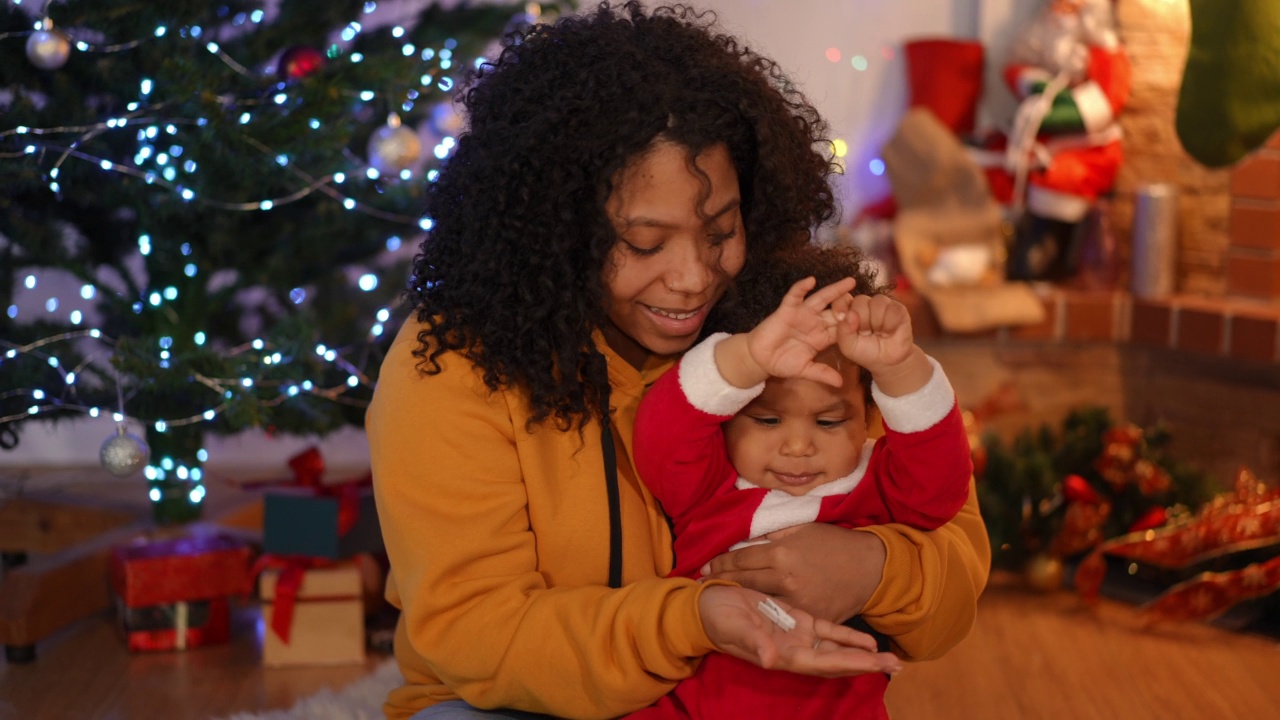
[705,388]
[921,409]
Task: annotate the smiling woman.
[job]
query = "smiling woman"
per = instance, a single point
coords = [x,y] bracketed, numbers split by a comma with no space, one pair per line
[679,222]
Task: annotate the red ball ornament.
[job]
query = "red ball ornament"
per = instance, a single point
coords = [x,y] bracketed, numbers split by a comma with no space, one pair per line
[1077,489]
[299,62]
[1150,520]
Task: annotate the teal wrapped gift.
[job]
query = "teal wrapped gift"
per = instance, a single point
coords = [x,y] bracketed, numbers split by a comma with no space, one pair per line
[333,522]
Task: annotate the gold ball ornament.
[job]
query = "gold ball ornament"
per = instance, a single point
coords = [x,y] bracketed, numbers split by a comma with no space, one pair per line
[394,147]
[124,454]
[48,49]
[1044,572]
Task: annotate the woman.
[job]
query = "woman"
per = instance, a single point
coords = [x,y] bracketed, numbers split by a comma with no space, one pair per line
[620,168]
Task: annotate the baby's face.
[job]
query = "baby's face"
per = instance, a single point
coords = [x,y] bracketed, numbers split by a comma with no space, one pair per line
[800,434]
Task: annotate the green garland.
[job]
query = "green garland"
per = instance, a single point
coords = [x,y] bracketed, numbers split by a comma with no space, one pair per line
[1026,488]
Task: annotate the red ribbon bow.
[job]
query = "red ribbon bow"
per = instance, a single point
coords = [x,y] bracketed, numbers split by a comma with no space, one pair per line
[292,568]
[308,468]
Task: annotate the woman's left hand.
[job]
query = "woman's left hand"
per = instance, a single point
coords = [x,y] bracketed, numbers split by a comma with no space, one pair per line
[813,646]
[828,571]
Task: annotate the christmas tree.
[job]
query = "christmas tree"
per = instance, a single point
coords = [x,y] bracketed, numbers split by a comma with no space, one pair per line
[225,186]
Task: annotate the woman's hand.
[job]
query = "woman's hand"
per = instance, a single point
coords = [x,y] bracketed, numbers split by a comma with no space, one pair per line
[828,571]
[813,647]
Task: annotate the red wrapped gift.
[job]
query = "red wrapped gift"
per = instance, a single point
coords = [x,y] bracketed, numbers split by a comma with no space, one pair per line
[173,594]
[156,572]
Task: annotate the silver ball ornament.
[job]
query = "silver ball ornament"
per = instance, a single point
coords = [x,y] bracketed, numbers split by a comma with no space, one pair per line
[48,49]
[124,454]
[394,147]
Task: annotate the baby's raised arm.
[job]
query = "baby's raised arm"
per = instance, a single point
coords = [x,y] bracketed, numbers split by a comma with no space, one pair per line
[785,343]
[874,331]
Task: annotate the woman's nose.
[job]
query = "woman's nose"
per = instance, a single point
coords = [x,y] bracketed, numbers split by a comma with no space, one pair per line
[693,269]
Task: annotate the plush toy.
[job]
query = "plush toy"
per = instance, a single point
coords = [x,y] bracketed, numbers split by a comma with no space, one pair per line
[1229,103]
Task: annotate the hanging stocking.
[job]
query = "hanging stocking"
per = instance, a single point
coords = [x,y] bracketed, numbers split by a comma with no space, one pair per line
[1229,103]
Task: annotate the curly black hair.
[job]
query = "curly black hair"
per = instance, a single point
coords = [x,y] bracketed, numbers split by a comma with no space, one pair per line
[761,287]
[512,274]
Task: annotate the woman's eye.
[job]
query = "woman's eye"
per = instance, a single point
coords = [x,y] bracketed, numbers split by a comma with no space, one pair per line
[718,238]
[642,251]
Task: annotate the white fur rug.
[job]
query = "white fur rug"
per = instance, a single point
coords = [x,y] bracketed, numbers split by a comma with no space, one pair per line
[361,700]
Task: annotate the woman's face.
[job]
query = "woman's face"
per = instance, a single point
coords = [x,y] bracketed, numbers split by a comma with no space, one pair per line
[675,257]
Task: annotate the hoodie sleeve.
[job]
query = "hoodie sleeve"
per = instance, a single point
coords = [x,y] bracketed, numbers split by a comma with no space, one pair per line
[479,613]
[927,599]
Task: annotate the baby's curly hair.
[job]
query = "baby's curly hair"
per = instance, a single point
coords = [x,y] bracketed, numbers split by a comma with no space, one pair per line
[761,287]
[512,274]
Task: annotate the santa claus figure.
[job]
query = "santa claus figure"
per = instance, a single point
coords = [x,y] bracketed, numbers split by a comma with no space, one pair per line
[1071,78]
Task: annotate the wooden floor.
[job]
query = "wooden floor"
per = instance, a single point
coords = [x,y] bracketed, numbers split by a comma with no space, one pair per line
[1031,656]
[1043,656]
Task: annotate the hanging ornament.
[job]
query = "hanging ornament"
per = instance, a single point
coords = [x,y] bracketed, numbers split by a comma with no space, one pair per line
[393,147]
[124,454]
[1044,572]
[47,48]
[298,62]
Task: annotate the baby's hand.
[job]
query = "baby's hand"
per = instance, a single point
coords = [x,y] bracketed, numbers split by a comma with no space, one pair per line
[785,343]
[874,331]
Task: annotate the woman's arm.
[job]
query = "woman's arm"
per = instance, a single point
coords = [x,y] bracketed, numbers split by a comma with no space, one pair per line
[928,598]
[491,614]
[919,587]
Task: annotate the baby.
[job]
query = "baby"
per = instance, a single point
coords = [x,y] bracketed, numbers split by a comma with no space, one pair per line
[766,428]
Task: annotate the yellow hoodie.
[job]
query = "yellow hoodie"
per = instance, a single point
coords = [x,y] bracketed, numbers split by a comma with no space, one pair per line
[499,541]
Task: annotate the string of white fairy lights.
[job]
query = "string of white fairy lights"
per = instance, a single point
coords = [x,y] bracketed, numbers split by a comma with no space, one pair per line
[324,183]
[223,388]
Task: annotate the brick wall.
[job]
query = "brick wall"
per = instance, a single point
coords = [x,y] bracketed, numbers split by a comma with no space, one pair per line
[1253,247]
[1207,367]
[1156,34]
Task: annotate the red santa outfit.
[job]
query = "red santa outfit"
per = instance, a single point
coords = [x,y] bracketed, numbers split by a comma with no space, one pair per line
[918,473]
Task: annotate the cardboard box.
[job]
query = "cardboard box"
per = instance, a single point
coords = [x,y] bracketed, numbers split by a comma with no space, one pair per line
[335,522]
[176,626]
[328,619]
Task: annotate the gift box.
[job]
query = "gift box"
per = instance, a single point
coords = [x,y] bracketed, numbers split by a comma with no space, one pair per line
[176,626]
[174,594]
[312,615]
[332,522]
